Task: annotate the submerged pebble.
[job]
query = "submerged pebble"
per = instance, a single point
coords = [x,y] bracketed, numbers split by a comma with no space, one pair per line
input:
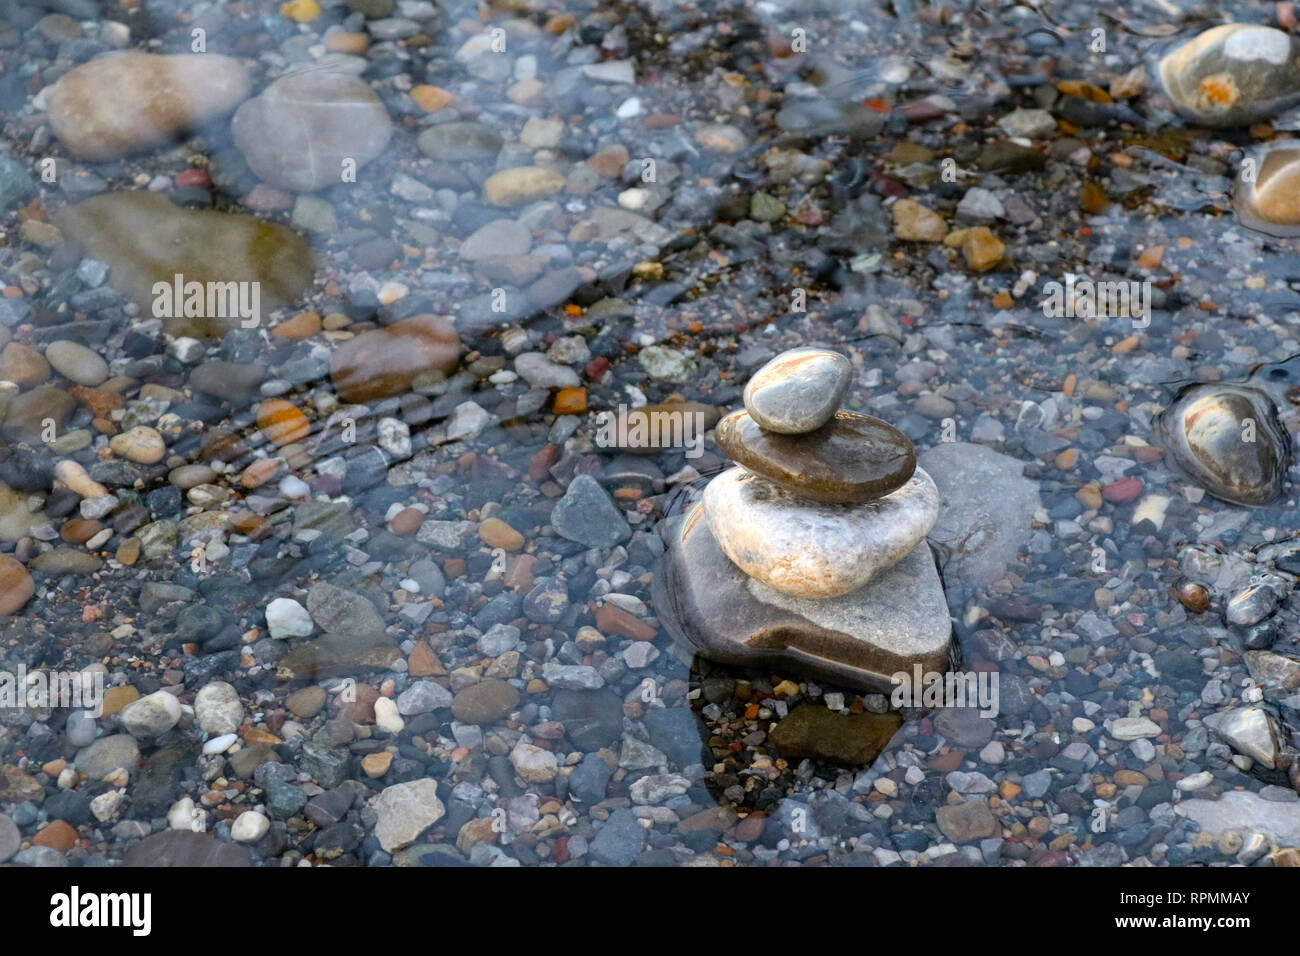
[1266,195]
[1227,439]
[202,246]
[126,102]
[1232,75]
[310,130]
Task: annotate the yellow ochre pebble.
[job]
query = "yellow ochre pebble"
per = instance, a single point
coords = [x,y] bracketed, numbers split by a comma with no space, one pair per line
[300,11]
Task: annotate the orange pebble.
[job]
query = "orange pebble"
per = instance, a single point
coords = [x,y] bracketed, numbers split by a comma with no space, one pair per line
[282,422]
[431,99]
[259,472]
[1151,257]
[570,401]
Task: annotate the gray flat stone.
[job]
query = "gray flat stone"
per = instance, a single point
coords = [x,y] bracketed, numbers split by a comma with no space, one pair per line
[1243,810]
[985,509]
[858,640]
[186,849]
[106,755]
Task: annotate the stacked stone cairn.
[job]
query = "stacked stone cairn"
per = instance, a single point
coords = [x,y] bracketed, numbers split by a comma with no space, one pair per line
[809,556]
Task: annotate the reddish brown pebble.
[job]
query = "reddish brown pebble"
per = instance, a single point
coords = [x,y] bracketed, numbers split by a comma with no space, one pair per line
[407,521]
[423,662]
[79,530]
[921,111]
[751,828]
[519,574]
[194,177]
[1122,491]
[1194,597]
[539,466]
[59,835]
[614,620]
[98,402]
[301,326]
[362,710]
[609,162]
[384,362]
[16,585]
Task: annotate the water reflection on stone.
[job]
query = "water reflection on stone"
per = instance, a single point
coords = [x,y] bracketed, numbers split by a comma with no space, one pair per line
[1229,441]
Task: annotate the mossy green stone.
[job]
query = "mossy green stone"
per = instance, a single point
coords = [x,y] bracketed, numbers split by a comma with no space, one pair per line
[815,731]
[145,238]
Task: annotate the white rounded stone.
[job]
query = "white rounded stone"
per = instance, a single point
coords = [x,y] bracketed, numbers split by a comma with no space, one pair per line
[807,549]
[286,618]
[182,814]
[105,805]
[219,709]
[219,745]
[386,716]
[534,764]
[151,716]
[1233,74]
[250,827]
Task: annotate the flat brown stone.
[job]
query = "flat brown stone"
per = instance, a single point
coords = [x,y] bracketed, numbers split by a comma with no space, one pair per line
[423,662]
[24,419]
[59,835]
[614,620]
[651,428]
[851,459]
[306,703]
[384,362]
[811,730]
[341,655]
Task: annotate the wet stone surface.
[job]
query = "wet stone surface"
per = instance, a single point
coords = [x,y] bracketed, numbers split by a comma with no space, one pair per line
[853,459]
[815,550]
[1232,75]
[1229,441]
[798,391]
